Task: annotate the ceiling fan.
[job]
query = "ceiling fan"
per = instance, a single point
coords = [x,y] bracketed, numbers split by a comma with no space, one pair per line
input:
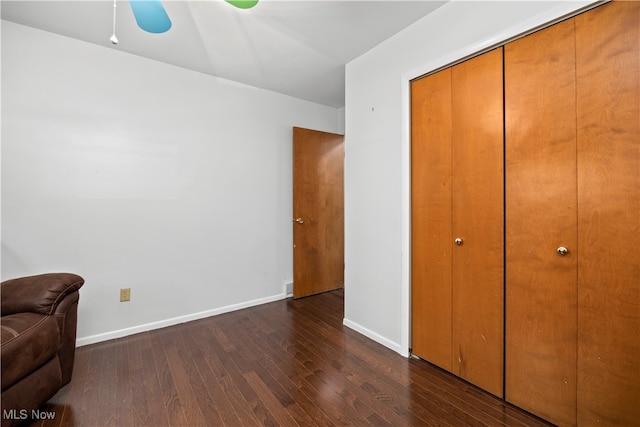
[151,16]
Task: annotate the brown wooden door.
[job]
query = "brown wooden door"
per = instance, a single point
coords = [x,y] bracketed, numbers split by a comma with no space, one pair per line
[573,180]
[431,219]
[608,106]
[541,216]
[318,212]
[457,192]
[478,220]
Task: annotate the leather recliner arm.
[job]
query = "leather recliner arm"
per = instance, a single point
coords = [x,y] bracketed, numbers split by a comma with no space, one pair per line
[37,294]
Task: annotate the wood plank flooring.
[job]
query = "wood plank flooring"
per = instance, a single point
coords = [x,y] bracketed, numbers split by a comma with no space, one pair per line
[286,363]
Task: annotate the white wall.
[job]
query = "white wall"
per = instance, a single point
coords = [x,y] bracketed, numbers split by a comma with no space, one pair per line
[341,123]
[377,185]
[134,173]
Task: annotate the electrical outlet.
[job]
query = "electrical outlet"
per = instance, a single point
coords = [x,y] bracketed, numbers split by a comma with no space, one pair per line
[125,294]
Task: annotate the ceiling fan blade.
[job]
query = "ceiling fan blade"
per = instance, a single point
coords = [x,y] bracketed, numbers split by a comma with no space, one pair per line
[243,4]
[150,15]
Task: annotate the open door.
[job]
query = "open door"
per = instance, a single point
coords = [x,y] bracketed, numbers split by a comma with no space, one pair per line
[318,212]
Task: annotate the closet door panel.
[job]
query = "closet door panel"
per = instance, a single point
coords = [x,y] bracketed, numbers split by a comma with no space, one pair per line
[608,110]
[541,290]
[431,218]
[478,268]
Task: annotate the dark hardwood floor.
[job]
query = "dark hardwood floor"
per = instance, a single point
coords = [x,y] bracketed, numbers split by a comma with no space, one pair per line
[286,363]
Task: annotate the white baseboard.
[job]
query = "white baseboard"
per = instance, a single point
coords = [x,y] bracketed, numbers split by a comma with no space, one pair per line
[174,321]
[376,337]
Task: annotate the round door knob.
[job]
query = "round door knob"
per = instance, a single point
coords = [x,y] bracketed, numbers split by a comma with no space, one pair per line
[562,251]
[299,220]
[458,241]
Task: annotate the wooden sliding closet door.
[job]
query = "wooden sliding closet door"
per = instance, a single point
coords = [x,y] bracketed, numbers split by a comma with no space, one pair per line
[608,106]
[431,219]
[572,93]
[541,218]
[457,196]
[478,221]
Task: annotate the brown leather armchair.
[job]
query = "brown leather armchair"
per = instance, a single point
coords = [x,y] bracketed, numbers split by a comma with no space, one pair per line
[38,321]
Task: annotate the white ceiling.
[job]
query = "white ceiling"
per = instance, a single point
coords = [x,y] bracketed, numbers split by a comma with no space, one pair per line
[295,47]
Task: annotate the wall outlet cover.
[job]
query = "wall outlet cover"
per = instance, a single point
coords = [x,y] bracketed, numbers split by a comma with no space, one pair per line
[125,294]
